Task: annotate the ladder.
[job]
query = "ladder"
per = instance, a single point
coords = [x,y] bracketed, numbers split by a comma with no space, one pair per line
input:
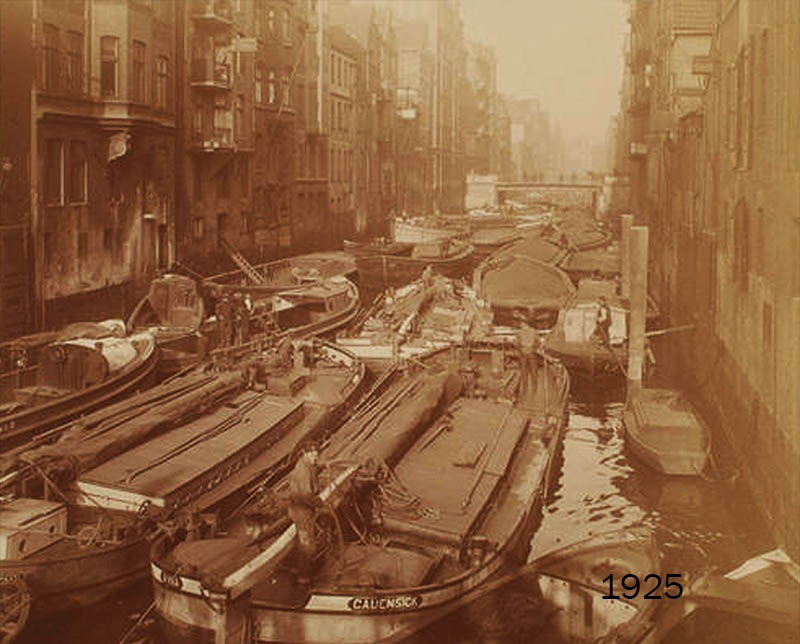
[238,259]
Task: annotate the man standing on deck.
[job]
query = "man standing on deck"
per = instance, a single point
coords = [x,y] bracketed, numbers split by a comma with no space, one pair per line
[303,501]
[528,344]
[224,312]
[603,324]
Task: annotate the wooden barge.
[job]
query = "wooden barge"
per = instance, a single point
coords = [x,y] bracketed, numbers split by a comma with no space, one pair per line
[414,319]
[513,283]
[451,258]
[87,505]
[80,369]
[411,547]
[175,313]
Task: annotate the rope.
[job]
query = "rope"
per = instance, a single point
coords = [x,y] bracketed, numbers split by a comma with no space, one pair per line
[395,496]
[133,628]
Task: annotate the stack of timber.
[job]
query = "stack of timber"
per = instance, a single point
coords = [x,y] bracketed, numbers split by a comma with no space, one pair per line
[411,320]
[78,513]
[432,492]
[50,378]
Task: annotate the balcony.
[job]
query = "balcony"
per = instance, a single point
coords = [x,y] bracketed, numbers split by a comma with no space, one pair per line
[218,139]
[215,14]
[210,74]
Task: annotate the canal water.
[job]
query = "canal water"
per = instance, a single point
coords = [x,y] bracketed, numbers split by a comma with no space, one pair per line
[698,523]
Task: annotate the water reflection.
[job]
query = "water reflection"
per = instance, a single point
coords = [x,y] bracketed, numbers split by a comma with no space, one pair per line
[602,487]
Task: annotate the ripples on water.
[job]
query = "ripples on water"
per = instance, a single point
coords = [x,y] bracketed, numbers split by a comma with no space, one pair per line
[601,488]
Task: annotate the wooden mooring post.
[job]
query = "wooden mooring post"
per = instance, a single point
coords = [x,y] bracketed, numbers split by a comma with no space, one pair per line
[638,298]
[625,254]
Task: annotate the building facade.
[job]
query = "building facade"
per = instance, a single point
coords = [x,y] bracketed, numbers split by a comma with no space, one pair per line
[104,129]
[18,220]
[714,142]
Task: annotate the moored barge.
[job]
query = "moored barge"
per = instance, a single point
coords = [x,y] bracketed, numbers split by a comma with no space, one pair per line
[411,546]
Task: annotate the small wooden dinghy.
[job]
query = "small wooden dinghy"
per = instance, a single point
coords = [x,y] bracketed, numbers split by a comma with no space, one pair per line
[664,430]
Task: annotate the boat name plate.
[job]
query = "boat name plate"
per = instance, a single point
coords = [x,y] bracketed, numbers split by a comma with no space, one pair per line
[385,604]
[171,579]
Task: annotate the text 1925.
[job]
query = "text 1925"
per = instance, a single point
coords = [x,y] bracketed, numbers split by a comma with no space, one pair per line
[632,586]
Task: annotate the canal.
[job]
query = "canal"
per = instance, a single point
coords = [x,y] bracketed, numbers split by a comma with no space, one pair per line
[698,523]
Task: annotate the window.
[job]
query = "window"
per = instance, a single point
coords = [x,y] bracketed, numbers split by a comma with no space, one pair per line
[258,8]
[271,22]
[239,125]
[75,61]
[77,171]
[246,219]
[50,58]
[271,91]
[259,84]
[741,243]
[286,26]
[109,47]
[198,228]
[198,180]
[286,96]
[162,82]
[53,171]
[108,239]
[138,79]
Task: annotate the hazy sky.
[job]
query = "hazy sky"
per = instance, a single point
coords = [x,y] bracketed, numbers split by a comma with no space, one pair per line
[569,53]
